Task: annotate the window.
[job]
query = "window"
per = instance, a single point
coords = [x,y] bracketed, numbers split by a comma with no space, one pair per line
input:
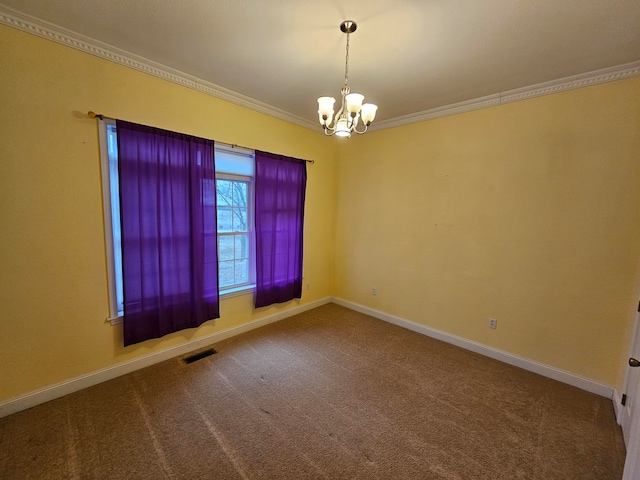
[234,195]
[236,240]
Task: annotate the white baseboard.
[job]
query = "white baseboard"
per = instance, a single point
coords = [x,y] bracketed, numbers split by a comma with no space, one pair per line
[617,405]
[526,364]
[75,384]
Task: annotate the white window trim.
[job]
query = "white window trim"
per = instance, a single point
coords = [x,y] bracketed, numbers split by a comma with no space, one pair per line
[114,318]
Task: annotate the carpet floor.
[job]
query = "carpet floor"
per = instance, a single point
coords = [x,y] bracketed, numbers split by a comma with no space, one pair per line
[327,394]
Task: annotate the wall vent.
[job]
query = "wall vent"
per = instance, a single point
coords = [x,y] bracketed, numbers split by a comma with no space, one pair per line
[199,356]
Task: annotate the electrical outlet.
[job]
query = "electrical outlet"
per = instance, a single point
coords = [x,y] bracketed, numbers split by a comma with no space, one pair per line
[307,285]
[493,323]
[374,291]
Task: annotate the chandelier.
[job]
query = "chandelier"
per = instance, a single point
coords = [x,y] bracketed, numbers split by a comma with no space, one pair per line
[351,109]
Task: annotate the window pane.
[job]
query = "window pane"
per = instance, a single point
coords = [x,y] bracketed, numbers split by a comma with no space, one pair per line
[242,271]
[226,273]
[224,189]
[240,194]
[242,246]
[225,247]
[225,220]
[239,219]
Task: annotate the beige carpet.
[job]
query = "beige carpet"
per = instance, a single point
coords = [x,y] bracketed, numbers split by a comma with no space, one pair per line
[329,394]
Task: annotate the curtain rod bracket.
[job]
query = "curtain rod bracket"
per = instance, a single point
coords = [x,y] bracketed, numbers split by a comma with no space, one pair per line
[91,114]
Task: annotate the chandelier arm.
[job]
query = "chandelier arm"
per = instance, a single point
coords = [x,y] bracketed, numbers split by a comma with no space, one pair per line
[351,122]
[366,127]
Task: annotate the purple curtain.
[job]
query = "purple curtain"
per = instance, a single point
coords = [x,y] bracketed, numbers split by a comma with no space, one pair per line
[280,184]
[168,216]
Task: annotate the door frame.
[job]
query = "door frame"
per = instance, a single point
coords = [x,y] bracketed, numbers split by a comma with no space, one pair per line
[624,419]
[632,425]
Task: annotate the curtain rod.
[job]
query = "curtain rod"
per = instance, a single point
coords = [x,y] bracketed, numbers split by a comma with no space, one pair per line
[100,116]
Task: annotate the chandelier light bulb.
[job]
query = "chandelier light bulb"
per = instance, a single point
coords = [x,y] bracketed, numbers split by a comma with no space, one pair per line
[368,113]
[325,106]
[354,102]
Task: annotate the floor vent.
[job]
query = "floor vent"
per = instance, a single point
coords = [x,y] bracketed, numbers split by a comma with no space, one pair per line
[199,356]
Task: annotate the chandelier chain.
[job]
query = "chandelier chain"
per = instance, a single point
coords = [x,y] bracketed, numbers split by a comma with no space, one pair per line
[346,63]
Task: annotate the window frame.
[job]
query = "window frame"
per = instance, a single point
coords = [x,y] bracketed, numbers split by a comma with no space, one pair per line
[238,288]
[248,288]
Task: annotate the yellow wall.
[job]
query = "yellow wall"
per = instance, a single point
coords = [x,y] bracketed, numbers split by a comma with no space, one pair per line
[53,291]
[527,212]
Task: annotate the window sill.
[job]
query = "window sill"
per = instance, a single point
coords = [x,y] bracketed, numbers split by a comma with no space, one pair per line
[237,291]
[114,320]
[227,293]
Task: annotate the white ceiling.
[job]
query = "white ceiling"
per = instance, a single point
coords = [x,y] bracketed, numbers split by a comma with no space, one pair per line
[407,56]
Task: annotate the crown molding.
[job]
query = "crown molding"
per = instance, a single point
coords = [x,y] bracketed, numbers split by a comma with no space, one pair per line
[85,44]
[596,77]
[94,47]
